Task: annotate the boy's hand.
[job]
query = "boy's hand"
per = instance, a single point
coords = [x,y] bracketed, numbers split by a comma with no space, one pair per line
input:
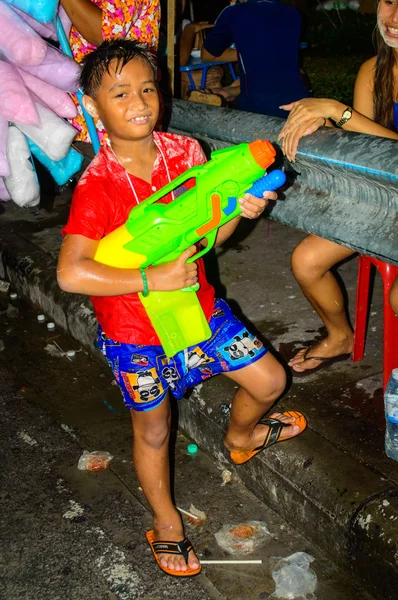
[252,207]
[174,275]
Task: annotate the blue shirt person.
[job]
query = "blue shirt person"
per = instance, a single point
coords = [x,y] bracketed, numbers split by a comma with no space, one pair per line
[266,34]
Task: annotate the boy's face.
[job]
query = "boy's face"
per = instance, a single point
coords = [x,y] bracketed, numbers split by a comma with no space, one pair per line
[127,101]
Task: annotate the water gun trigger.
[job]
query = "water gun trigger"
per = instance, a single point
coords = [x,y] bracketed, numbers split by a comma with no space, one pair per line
[211,238]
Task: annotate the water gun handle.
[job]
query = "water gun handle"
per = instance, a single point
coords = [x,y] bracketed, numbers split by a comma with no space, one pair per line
[268,183]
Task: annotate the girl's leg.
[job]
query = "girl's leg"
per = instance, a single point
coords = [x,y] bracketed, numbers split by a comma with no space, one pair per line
[311,262]
[261,384]
[151,431]
[394,297]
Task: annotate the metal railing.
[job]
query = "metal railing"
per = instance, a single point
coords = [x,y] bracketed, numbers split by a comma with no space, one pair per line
[342,187]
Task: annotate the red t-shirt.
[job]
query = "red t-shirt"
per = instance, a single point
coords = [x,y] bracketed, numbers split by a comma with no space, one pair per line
[102,202]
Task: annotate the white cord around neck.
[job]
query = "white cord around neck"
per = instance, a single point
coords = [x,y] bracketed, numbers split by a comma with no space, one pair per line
[129,178]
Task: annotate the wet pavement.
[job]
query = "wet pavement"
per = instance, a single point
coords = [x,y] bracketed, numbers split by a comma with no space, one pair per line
[334,481]
[80,535]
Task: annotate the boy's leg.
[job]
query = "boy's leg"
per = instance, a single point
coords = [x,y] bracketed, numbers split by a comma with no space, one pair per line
[151,430]
[262,382]
[311,261]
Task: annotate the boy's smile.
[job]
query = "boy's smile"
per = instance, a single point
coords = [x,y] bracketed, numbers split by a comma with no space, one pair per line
[127,101]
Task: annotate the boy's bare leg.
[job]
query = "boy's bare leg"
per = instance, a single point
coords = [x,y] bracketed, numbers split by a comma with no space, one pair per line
[151,432]
[261,384]
[311,261]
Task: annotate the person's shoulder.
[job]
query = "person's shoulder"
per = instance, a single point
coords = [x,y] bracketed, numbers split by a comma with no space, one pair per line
[96,172]
[369,65]
[177,141]
[182,147]
[366,71]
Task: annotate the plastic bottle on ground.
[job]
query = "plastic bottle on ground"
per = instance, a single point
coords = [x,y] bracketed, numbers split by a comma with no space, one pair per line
[391,410]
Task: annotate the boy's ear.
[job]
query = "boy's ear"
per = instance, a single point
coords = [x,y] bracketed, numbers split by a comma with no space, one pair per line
[90,105]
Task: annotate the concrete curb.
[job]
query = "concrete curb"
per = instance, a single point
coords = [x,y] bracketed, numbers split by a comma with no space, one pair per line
[347,509]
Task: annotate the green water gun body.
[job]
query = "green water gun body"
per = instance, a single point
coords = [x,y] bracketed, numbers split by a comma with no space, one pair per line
[155,233]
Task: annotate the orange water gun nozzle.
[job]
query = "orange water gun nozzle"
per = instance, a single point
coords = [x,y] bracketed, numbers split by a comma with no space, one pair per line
[263,152]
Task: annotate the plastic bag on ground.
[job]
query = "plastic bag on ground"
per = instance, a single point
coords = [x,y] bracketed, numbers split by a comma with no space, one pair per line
[94,461]
[242,538]
[293,577]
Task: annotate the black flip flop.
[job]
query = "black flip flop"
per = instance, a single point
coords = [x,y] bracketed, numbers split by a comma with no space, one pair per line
[326,361]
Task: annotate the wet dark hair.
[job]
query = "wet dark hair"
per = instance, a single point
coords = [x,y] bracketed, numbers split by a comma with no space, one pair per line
[97,63]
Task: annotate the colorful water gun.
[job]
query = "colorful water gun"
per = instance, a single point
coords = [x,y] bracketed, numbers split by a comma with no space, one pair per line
[155,233]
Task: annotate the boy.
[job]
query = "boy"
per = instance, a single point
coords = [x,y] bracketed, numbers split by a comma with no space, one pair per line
[119,82]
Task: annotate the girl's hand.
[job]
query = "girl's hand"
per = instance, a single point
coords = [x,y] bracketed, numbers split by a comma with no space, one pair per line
[291,139]
[309,109]
[174,275]
[253,207]
[306,116]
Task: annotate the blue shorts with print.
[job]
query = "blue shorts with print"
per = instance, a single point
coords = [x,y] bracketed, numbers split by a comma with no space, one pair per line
[145,374]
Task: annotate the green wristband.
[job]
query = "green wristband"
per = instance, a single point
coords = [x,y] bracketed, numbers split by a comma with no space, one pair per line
[145,282]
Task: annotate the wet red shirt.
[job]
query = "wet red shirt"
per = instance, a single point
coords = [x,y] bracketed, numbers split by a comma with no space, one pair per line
[102,202]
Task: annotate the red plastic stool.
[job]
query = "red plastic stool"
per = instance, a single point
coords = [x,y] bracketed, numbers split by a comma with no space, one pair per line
[390,338]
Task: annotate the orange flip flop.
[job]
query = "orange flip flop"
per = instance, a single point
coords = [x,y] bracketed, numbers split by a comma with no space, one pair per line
[183,548]
[272,437]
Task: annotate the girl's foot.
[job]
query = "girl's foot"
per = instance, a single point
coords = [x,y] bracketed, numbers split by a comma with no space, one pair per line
[324,352]
[171,530]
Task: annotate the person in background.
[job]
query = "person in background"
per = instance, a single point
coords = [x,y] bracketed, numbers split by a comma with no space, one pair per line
[94,21]
[192,39]
[375,112]
[266,34]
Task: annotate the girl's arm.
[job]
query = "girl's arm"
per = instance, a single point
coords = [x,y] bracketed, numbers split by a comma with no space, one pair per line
[86,17]
[309,114]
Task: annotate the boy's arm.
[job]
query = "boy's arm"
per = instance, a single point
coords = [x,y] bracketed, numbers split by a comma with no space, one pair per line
[79,273]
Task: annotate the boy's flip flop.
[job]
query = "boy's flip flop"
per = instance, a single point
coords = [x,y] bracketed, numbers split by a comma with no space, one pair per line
[272,437]
[183,548]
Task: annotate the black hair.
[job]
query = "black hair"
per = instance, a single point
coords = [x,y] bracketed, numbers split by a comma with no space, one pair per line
[97,63]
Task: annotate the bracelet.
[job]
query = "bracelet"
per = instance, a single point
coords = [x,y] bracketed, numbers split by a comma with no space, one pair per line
[145,282]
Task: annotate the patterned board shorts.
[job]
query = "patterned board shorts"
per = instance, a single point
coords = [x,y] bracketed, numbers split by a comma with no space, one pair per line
[145,375]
